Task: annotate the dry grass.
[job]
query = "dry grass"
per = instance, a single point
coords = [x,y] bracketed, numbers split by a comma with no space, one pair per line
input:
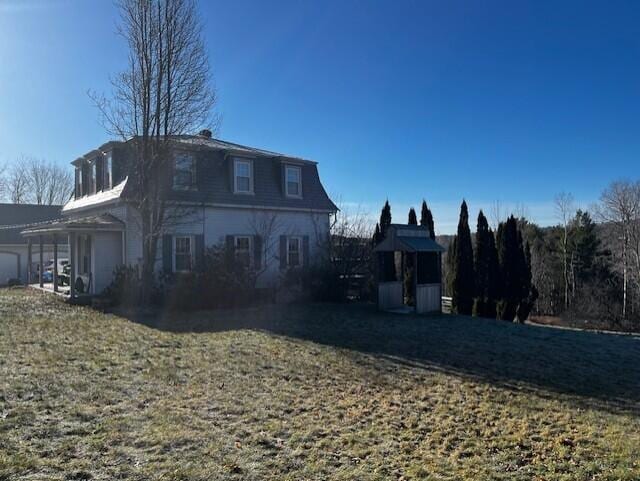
[325,392]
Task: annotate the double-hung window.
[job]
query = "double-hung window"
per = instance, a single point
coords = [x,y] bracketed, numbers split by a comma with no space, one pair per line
[294,252]
[243,250]
[108,172]
[183,254]
[79,192]
[293,180]
[94,178]
[242,176]
[184,172]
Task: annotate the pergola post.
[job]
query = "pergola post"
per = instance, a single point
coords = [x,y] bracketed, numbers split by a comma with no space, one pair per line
[72,264]
[41,278]
[55,263]
[29,259]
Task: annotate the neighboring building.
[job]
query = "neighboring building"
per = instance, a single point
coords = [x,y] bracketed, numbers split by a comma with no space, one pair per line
[270,208]
[13,247]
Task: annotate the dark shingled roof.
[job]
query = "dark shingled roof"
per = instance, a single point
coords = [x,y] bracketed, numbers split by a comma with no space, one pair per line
[20,216]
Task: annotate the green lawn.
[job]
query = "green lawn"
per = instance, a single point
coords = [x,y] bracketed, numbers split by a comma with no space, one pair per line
[316,392]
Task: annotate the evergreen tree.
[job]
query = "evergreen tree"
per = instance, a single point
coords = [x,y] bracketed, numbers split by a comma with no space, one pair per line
[509,269]
[387,258]
[385,219]
[426,219]
[463,284]
[494,287]
[376,235]
[413,220]
[485,266]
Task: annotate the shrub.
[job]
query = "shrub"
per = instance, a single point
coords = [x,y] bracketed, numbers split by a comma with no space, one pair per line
[126,287]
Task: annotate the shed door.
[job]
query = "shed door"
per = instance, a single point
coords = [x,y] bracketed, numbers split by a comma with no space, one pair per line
[8,267]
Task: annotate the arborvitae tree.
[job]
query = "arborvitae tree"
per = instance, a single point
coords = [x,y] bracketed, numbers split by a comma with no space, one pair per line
[376,235]
[426,218]
[385,219]
[413,220]
[463,283]
[509,269]
[483,267]
[388,259]
[494,287]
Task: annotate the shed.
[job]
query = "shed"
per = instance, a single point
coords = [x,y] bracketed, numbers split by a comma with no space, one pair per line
[408,248]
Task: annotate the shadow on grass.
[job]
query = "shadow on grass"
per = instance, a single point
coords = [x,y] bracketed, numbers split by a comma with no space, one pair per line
[603,370]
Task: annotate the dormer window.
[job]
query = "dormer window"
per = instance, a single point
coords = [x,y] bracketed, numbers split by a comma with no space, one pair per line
[242,176]
[184,172]
[108,172]
[93,171]
[293,179]
[79,192]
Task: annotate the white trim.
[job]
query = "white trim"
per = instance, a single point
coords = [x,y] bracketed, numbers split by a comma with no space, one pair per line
[192,241]
[248,162]
[286,181]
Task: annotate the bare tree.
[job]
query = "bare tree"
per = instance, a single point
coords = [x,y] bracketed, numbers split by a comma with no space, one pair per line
[497,214]
[3,181]
[39,177]
[564,212]
[60,186]
[620,207]
[165,91]
[18,182]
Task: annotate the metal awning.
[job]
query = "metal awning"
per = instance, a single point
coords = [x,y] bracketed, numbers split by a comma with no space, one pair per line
[102,222]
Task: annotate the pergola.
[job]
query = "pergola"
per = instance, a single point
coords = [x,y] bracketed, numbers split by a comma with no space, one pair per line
[409,246]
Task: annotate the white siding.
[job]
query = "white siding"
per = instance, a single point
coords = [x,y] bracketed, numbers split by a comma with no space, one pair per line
[107,255]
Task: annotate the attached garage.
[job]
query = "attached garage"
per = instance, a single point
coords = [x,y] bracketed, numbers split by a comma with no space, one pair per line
[9,266]
[13,246]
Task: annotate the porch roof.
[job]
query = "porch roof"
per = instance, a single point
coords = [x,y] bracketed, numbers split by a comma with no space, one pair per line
[102,222]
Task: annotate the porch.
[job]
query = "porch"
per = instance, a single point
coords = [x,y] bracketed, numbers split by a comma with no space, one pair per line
[95,246]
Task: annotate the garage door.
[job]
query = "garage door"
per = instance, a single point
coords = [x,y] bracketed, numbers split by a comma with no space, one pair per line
[8,267]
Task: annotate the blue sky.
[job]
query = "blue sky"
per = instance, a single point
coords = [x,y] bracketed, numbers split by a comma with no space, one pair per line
[509,101]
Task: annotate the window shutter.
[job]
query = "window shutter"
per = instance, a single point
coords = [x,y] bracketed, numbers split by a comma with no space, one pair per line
[229,250]
[199,252]
[167,253]
[283,252]
[305,251]
[257,252]
[231,179]
[283,179]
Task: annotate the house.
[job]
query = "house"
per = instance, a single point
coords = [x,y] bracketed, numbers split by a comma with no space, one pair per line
[269,208]
[14,248]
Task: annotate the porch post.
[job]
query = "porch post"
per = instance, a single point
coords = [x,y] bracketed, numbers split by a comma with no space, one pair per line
[55,263]
[41,278]
[29,259]
[72,264]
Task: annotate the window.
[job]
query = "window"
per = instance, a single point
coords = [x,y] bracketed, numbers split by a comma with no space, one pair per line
[293,179]
[243,182]
[243,250]
[78,182]
[184,172]
[93,169]
[183,254]
[293,251]
[108,172]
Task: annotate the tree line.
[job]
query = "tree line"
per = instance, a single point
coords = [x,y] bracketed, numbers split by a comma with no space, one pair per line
[584,269]
[29,180]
